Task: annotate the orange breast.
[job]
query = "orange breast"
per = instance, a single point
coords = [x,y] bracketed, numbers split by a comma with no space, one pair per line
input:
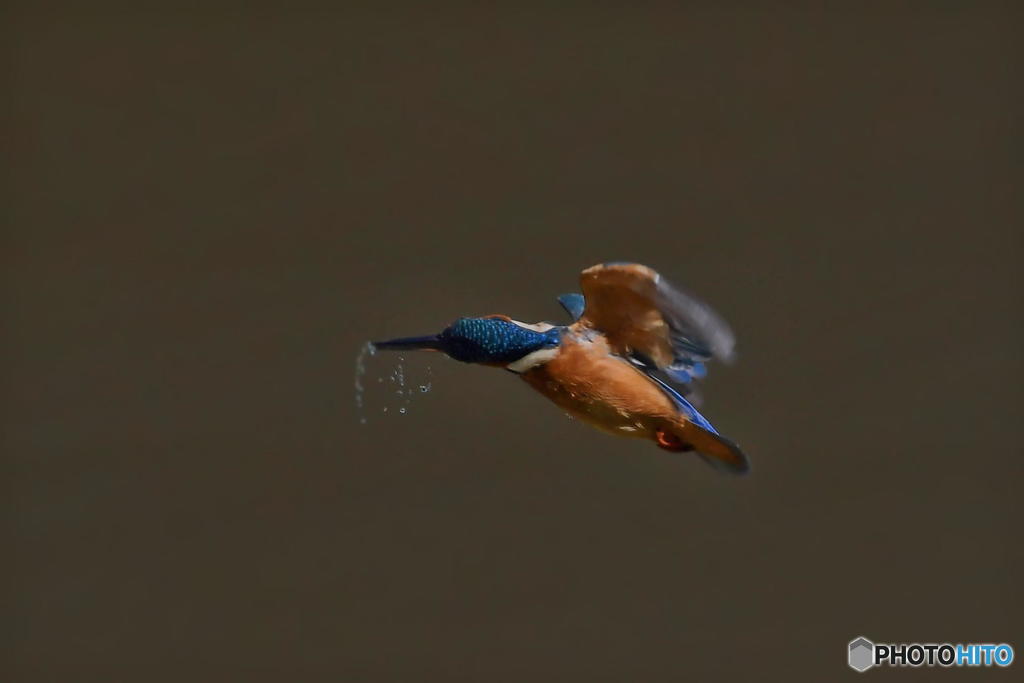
[603,390]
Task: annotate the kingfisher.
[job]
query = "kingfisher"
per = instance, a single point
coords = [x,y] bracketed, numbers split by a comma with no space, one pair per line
[624,364]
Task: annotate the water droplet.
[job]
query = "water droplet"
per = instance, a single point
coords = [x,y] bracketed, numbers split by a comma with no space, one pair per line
[397,377]
[360,370]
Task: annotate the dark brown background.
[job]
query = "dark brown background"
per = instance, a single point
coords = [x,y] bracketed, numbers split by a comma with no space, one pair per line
[209,213]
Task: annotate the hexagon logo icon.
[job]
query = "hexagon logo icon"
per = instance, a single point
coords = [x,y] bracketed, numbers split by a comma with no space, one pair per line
[862,654]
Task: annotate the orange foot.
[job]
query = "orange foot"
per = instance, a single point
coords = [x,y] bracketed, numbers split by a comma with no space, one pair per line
[671,442]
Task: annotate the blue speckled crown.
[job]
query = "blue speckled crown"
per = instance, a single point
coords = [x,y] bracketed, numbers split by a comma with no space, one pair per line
[493,340]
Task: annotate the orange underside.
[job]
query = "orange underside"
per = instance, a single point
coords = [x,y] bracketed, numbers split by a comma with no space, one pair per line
[589,383]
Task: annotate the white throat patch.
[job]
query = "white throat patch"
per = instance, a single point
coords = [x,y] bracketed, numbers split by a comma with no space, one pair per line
[537,327]
[532,360]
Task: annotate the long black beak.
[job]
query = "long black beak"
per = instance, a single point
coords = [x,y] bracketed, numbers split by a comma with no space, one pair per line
[410,343]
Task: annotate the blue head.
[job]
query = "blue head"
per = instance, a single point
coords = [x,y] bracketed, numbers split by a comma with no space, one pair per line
[491,341]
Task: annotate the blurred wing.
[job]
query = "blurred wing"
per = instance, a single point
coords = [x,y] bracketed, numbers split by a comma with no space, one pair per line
[651,322]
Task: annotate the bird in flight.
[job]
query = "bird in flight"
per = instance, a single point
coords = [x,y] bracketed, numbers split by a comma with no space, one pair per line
[632,338]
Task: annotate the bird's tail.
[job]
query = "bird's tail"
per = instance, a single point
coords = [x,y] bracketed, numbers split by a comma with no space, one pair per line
[717,451]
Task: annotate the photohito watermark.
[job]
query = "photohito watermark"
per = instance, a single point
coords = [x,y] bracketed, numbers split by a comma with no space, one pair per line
[863,654]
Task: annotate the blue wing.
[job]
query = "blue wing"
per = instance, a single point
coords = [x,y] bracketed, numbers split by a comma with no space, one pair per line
[719,452]
[684,406]
[573,304]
